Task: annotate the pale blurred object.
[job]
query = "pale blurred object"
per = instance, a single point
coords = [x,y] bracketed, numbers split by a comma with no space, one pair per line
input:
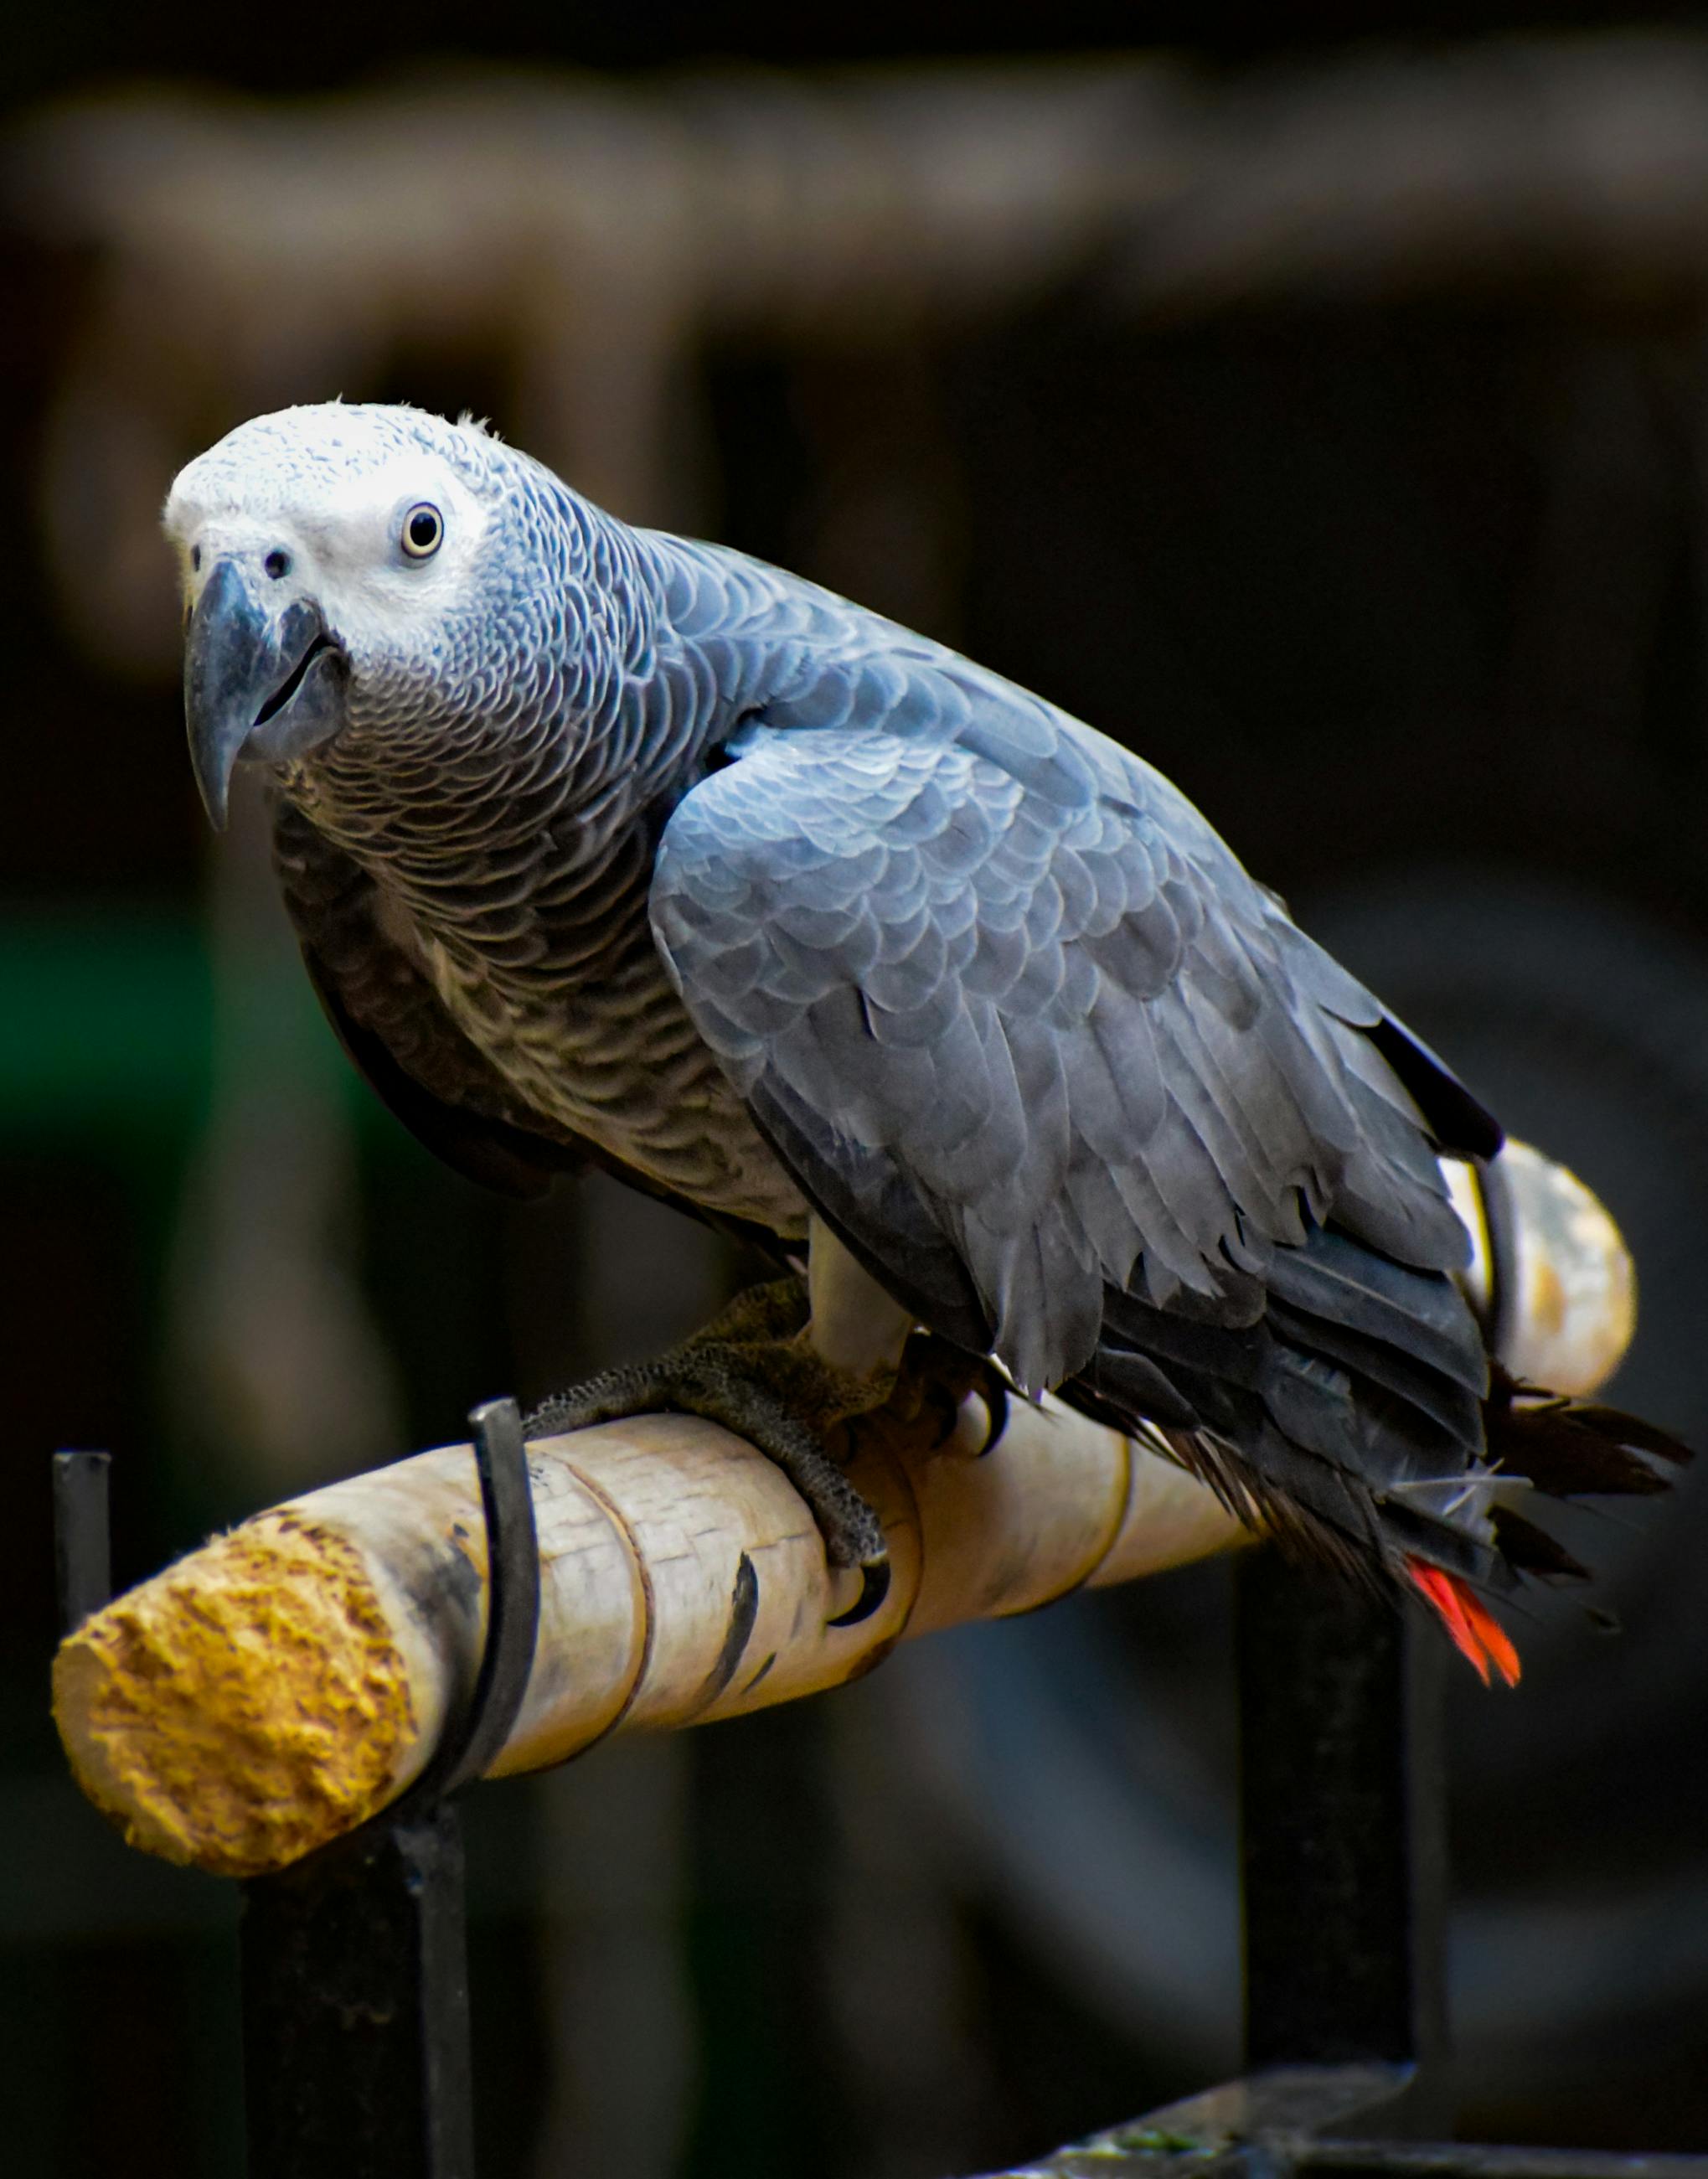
[1581,160]
[587,238]
[591,240]
[275,1364]
[908,1992]
[614,1979]
[1573,1314]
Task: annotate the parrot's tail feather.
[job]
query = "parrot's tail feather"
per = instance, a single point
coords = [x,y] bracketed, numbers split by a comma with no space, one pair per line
[1473,1628]
[1530,1548]
[1359,1422]
[1576,1448]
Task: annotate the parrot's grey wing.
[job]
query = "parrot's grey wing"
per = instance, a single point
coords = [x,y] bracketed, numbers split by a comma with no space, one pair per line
[1027,1034]
[391,1024]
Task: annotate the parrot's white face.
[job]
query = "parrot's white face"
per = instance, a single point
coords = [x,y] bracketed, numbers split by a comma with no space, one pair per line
[383,551]
[319,549]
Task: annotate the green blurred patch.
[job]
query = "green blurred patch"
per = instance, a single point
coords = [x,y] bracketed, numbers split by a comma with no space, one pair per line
[109,1028]
[107,1022]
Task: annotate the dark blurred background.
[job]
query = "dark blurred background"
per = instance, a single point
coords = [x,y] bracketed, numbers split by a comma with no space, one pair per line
[1316,401]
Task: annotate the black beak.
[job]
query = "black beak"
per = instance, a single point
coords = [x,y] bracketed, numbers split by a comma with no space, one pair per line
[259,685]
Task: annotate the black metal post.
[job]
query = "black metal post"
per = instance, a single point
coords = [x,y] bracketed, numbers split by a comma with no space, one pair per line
[356,1983]
[81,1541]
[1343,1826]
[355,2011]
[1343,1815]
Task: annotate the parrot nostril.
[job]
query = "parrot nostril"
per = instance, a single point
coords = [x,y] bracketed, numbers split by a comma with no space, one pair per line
[277,564]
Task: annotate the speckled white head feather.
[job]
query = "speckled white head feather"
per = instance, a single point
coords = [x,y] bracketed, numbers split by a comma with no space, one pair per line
[360,575]
[324,496]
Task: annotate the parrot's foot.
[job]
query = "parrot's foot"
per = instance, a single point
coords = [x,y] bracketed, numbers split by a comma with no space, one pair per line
[934,1381]
[752,1369]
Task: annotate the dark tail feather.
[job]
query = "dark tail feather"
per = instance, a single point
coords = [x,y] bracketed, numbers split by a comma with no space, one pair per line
[1532,1549]
[1456,1119]
[1351,1423]
[1569,1449]
[1576,1448]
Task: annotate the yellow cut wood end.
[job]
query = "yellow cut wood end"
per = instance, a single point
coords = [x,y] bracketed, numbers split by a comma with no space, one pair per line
[243,1706]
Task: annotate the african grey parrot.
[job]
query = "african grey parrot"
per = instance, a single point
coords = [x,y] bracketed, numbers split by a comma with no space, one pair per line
[605,845]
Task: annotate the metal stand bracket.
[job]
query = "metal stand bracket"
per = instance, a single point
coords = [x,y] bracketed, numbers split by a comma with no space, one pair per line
[354,1962]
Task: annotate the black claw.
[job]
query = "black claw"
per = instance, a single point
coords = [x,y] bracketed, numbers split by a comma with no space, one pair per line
[875,1586]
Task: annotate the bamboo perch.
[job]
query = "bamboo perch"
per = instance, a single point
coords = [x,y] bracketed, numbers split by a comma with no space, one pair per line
[276,1687]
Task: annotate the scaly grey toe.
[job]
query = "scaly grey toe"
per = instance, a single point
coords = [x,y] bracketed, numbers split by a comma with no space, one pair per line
[719,1382]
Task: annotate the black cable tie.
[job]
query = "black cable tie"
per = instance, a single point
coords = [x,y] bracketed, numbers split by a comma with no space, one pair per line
[476,1730]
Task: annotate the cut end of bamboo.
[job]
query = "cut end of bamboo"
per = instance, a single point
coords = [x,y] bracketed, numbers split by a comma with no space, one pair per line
[239,1717]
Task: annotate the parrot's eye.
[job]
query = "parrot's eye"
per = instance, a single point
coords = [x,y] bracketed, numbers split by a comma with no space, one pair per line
[424,531]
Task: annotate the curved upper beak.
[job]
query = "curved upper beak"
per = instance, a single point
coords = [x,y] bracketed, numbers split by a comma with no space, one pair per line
[261,683]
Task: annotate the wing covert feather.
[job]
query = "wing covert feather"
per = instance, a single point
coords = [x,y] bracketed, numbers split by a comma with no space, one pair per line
[987,962]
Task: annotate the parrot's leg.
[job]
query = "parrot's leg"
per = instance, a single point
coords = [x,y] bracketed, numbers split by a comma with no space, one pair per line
[856,1325]
[781,1367]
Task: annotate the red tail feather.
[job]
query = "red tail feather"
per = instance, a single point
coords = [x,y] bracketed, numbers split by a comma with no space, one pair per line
[1477,1634]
